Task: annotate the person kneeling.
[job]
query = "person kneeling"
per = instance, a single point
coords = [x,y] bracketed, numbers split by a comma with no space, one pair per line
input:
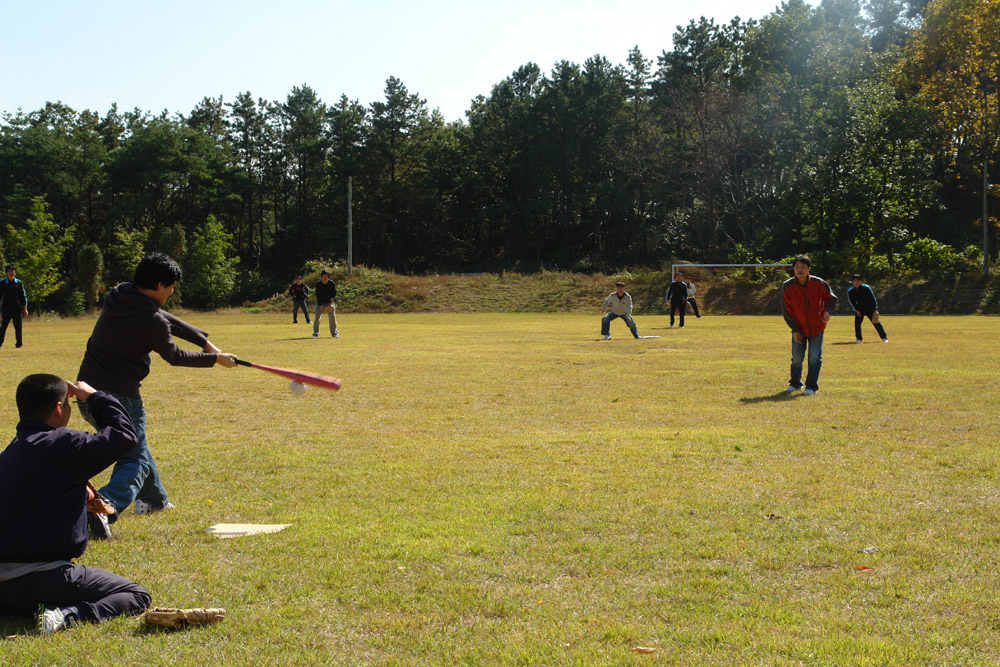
[44,473]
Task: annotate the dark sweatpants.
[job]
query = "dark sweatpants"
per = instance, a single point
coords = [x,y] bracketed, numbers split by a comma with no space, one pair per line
[858,319]
[96,594]
[7,317]
[674,307]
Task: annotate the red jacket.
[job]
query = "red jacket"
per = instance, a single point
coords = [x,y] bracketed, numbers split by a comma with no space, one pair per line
[803,306]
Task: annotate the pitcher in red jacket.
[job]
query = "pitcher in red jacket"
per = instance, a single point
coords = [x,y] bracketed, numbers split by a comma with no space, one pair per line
[806,304]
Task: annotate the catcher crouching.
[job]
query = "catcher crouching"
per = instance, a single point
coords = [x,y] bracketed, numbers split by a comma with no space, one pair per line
[44,473]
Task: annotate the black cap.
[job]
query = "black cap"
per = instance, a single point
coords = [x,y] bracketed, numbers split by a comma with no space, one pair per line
[619,284]
[856,276]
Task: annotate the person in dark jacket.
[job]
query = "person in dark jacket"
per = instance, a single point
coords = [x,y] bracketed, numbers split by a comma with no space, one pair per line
[44,473]
[326,292]
[299,292]
[677,295]
[131,325]
[806,305]
[13,304]
[862,299]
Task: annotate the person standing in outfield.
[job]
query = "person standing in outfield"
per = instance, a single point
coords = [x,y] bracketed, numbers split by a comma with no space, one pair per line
[131,325]
[806,304]
[299,293]
[691,290]
[44,473]
[326,292]
[677,295]
[13,304]
[617,304]
[862,299]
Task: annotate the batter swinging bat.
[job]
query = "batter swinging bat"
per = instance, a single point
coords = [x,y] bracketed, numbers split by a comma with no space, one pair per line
[298,376]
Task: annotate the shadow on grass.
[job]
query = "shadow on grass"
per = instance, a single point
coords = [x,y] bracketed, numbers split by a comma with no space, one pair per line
[11,626]
[846,342]
[780,397]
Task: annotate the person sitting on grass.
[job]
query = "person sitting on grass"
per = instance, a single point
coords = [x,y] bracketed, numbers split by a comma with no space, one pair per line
[44,473]
[617,304]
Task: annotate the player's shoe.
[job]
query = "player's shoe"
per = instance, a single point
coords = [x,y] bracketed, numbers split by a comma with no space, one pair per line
[606,337]
[789,389]
[336,334]
[52,620]
[885,340]
[857,340]
[809,392]
[142,507]
[315,335]
[671,326]
[99,527]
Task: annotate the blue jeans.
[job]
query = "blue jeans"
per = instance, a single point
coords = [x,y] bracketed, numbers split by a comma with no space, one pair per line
[815,345]
[296,304]
[135,476]
[606,324]
[331,317]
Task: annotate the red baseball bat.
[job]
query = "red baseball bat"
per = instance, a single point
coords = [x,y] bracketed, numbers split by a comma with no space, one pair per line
[298,376]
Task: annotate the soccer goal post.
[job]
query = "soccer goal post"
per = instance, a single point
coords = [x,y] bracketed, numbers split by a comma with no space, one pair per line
[735,289]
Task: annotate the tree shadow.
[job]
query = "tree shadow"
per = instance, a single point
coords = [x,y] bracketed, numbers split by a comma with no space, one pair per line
[781,396]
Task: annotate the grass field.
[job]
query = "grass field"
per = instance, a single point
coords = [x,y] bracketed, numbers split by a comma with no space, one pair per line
[505,489]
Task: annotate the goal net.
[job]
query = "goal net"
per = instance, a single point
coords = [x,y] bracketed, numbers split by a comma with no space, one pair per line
[735,289]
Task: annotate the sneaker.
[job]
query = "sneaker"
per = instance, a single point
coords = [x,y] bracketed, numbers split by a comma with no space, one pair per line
[142,507]
[99,528]
[315,335]
[885,340]
[52,620]
[857,340]
[789,389]
[671,326]
[336,334]
[606,337]
[809,392]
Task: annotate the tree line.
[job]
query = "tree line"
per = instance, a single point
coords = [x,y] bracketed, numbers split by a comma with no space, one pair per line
[867,135]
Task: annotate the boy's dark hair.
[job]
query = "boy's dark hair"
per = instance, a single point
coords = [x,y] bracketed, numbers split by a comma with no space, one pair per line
[804,259]
[39,394]
[156,268]
[324,273]
[9,267]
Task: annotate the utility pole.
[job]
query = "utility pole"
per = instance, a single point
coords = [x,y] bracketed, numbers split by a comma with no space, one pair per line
[350,229]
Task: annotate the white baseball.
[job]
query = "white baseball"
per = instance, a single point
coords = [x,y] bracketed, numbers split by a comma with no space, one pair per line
[296,387]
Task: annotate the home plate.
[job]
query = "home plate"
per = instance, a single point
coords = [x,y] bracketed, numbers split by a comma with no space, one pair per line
[225,530]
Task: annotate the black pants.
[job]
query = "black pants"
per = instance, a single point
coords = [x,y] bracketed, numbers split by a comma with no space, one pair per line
[694,306]
[674,307]
[7,317]
[97,594]
[858,319]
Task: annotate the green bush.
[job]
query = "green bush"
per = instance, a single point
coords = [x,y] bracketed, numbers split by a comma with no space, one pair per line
[931,259]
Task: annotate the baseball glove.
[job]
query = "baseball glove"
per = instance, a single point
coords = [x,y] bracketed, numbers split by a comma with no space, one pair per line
[169,617]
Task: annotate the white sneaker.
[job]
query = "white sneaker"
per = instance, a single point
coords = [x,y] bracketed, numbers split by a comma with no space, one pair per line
[885,340]
[315,335]
[857,340]
[606,337]
[671,326]
[809,392]
[789,389]
[52,620]
[142,507]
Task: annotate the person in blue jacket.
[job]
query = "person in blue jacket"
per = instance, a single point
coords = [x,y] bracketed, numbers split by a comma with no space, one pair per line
[862,299]
[44,472]
[13,304]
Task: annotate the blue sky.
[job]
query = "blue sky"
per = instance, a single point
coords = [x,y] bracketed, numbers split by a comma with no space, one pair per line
[169,55]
